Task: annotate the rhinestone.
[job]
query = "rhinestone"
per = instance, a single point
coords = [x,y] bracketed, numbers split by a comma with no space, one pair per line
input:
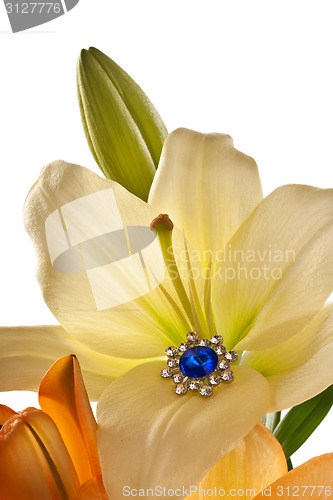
[220,350]
[198,361]
[231,355]
[192,336]
[224,364]
[214,379]
[171,351]
[194,385]
[178,378]
[172,363]
[227,376]
[166,373]
[180,388]
[184,346]
[204,342]
[216,339]
[206,390]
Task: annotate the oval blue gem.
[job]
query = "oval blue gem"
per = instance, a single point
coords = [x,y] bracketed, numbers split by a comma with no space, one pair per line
[198,361]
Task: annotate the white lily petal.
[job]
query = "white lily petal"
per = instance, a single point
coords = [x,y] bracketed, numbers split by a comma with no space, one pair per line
[27,352]
[278,271]
[148,436]
[301,367]
[207,187]
[99,264]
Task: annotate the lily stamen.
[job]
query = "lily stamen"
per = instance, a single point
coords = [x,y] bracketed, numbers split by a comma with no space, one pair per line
[163,226]
[200,321]
[207,297]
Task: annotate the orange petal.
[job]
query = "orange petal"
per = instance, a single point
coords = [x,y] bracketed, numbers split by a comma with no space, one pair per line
[63,396]
[314,479]
[93,490]
[6,413]
[252,465]
[34,463]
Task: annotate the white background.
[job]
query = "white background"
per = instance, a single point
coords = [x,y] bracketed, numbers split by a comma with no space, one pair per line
[258,70]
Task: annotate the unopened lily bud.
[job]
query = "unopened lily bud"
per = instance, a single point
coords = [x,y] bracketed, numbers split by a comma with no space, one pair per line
[125,133]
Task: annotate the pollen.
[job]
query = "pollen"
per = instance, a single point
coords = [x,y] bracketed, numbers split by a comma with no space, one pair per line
[162,220]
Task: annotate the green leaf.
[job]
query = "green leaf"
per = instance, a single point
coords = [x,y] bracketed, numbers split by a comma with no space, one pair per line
[124,131]
[300,422]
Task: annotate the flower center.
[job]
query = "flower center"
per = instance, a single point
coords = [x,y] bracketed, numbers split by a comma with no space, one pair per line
[198,362]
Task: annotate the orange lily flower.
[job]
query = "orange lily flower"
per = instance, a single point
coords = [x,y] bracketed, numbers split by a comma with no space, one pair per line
[51,454]
[257,468]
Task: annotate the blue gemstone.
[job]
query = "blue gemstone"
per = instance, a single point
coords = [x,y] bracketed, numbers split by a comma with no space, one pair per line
[198,361]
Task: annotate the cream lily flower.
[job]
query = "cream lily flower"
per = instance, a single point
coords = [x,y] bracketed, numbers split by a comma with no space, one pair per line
[119,308]
[257,468]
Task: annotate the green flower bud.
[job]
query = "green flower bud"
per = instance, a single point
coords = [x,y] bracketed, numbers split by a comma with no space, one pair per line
[125,133]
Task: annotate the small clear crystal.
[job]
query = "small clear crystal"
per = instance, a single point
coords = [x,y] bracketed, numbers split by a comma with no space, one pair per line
[227,376]
[171,351]
[231,355]
[204,342]
[194,385]
[206,390]
[216,339]
[192,336]
[184,346]
[214,379]
[180,388]
[172,363]
[166,373]
[224,364]
[178,377]
[220,350]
